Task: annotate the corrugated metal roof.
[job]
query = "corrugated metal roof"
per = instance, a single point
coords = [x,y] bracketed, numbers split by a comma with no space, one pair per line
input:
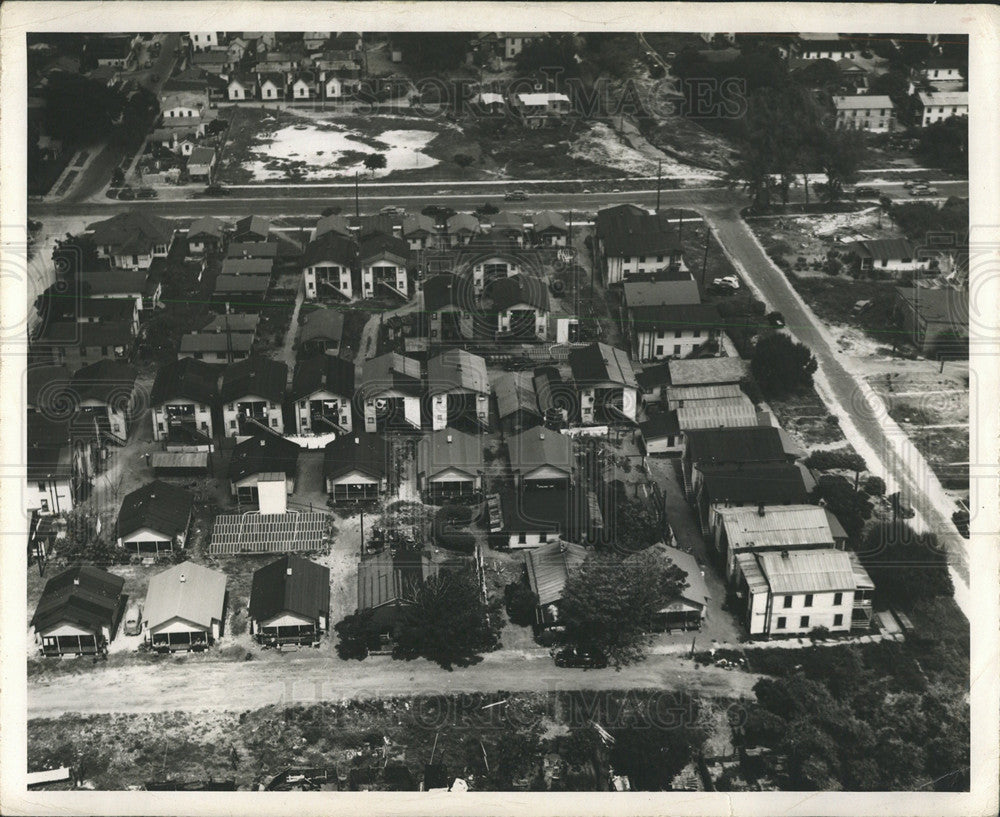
[188,591]
[864,581]
[515,391]
[178,459]
[808,571]
[728,412]
[661,293]
[549,566]
[449,448]
[457,369]
[708,392]
[707,370]
[785,525]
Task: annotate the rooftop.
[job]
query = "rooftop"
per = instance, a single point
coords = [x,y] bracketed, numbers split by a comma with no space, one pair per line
[391,372]
[322,324]
[777,526]
[256,376]
[448,449]
[755,483]
[187,591]
[323,372]
[536,447]
[725,412]
[859,101]
[661,293]
[807,571]
[599,363]
[549,566]
[82,595]
[457,369]
[290,585]
[159,506]
[265,454]
[186,378]
[362,451]
[627,230]
[520,289]
[515,391]
[707,370]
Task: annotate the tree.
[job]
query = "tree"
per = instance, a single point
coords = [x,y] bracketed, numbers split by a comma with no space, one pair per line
[874,486]
[634,526]
[609,601]
[80,111]
[946,144]
[905,565]
[840,153]
[448,621]
[851,507]
[651,755]
[73,255]
[820,74]
[551,52]
[430,51]
[357,633]
[781,366]
[522,603]
[375,161]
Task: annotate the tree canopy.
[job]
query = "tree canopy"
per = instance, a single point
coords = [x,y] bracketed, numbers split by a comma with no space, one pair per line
[432,50]
[448,621]
[80,111]
[905,565]
[946,144]
[781,365]
[609,601]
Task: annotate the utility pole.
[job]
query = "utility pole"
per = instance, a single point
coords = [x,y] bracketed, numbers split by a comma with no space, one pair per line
[357,202]
[680,228]
[704,263]
[659,180]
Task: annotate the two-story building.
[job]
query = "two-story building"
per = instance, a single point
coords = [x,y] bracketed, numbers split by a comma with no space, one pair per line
[605,383]
[937,106]
[383,259]
[391,390]
[459,389]
[105,393]
[131,240]
[875,114]
[521,304]
[667,319]
[448,306]
[323,391]
[328,266]
[181,401]
[632,241]
[251,393]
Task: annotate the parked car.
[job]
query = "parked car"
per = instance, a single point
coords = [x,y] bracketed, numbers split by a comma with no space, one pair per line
[392,210]
[728,282]
[146,193]
[516,195]
[133,619]
[215,190]
[776,319]
[580,659]
[919,190]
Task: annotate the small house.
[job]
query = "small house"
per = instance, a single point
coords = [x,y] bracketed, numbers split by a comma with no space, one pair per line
[517,402]
[356,468]
[522,307]
[185,608]
[937,106]
[252,228]
[323,391]
[290,602]
[251,393]
[459,388]
[216,347]
[548,568]
[875,114]
[549,229]
[50,485]
[132,239]
[105,393]
[889,256]
[328,265]
[689,608]
[321,332]
[450,463]
[542,460]
[79,612]
[262,472]
[181,402]
[205,235]
[605,382]
[155,518]
[461,228]
[383,259]
[448,306]
[492,268]
[201,164]
[391,390]
[936,321]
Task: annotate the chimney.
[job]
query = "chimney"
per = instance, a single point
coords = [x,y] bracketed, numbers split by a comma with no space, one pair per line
[288,571]
[76,581]
[541,435]
[450,438]
[760,509]
[357,441]
[183,578]
[262,443]
[784,554]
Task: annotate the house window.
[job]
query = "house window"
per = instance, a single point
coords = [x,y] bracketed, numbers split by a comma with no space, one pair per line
[809,600]
[274,422]
[41,486]
[45,505]
[677,349]
[678,333]
[230,407]
[697,333]
[659,258]
[781,623]
[838,620]
[232,424]
[543,537]
[787,602]
[198,356]
[838,599]
[804,621]
[159,426]
[302,403]
[522,538]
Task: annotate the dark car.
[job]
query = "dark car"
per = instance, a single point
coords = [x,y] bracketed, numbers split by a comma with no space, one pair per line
[126,194]
[580,659]
[215,190]
[865,193]
[146,193]
[112,193]
[776,319]
[516,195]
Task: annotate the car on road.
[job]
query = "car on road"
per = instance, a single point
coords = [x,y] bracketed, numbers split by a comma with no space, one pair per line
[728,283]
[126,194]
[146,193]
[516,195]
[776,319]
[921,190]
[392,210]
[576,658]
[865,193]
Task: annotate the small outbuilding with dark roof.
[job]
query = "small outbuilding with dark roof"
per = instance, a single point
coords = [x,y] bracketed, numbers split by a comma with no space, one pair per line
[356,467]
[155,518]
[290,602]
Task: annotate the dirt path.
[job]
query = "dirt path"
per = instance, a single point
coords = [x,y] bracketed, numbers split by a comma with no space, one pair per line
[307,679]
[368,342]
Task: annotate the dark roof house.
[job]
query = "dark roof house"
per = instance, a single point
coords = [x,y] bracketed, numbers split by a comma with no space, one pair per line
[256,376]
[188,379]
[158,506]
[81,595]
[367,453]
[290,585]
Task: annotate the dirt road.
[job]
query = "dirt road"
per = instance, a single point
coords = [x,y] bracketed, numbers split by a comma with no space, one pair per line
[248,685]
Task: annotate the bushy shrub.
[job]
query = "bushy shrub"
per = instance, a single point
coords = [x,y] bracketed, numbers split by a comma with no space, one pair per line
[874,486]
[841,459]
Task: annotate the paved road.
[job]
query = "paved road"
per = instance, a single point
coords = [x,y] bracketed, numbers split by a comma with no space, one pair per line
[309,677]
[885,442]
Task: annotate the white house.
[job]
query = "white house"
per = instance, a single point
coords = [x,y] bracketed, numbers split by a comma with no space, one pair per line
[537,108]
[632,240]
[791,593]
[936,106]
[391,390]
[251,393]
[605,382]
[825,47]
[272,86]
[890,256]
[322,391]
[493,268]
[521,303]
[875,114]
[203,40]
[185,608]
[459,388]
[327,266]
[383,261]
[239,90]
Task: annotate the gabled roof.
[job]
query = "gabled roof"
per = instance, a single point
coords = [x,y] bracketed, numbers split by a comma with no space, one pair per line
[508,221]
[391,371]
[325,324]
[661,293]
[88,335]
[549,566]
[660,426]
[417,223]
[384,579]
[188,591]
[244,282]
[104,380]
[247,266]
[688,316]
[323,372]
[238,342]
[46,385]
[554,510]
[457,369]
[599,363]
[463,222]
[697,591]
[233,323]
[448,290]
[548,221]
[49,453]
[119,282]
[860,101]
[210,57]
[332,223]
[364,451]
[290,585]
[201,155]
[135,231]
[653,376]
[538,447]
[712,391]
[515,391]
[938,306]
[383,223]
[808,571]
[329,246]
[707,370]
[252,249]
[723,412]
[755,483]
[716,446]
[187,378]
[958,98]
[884,248]
[520,289]
[207,226]
[627,230]
[258,225]
[91,604]
[777,526]
[265,454]
[376,244]
[258,376]
[449,448]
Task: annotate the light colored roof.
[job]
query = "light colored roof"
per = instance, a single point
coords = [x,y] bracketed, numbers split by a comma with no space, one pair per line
[944,97]
[541,99]
[864,581]
[712,391]
[449,448]
[808,571]
[549,566]
[548,220]
[707,370]
[457,369]
[858,101]
[489,99]
[188,591]
[178,459]
[697,590]
[515,391]
[781,525]
[728,412]
[537,447]
[661,293]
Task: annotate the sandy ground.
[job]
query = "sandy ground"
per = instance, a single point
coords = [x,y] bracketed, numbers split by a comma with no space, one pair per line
[603,146]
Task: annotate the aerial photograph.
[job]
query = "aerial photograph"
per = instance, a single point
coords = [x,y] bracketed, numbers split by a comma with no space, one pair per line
[457,411]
